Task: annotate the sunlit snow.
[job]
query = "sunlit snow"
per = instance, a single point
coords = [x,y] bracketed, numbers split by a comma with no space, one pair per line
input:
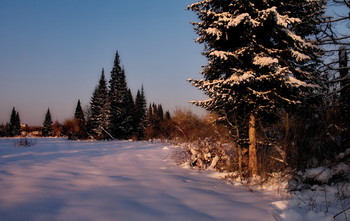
[264,61]
[61,180]
[57,179]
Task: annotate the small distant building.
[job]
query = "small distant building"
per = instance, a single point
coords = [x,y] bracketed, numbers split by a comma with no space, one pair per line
[36,133]
[24,129]
[31,131]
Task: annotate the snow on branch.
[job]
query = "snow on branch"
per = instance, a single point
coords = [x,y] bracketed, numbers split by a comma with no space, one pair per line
[237,79]
[282,20]
[223,55]
[299,42]
[264,61]
[197,4]
[298,83]
[245,17]
[259,93]
[299,56]
[205,85]
[214,32]
[224,17]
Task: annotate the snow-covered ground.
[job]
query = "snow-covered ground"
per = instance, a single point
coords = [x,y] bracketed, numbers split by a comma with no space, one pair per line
[56,179]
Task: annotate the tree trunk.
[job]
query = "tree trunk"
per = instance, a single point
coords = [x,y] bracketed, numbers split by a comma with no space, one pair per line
[239,153]
[344,83]
[287,126]
[239,147]
[253,161]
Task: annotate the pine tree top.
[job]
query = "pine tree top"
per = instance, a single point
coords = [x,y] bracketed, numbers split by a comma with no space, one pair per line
[48,115]
[102,81]
[13,114]
[79,113]
[117,70]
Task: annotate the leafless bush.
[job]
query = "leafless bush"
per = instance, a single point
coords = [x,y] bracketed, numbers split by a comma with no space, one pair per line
[205,144]
[25,142]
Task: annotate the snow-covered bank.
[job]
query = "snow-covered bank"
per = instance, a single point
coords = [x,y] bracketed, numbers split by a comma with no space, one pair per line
[63,180]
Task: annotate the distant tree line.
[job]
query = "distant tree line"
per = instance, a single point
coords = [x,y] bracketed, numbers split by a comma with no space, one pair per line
[13,127]
[113,113]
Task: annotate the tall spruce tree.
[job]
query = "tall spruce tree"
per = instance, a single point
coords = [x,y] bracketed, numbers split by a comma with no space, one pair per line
[14,127]
[18,129]
[80,121]
[258,59]
[47,125]
[98,122]
[120,115]
[140,114]
[160,112]
[12,123]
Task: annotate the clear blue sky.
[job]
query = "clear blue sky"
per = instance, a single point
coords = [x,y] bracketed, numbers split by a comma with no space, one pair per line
[52,53]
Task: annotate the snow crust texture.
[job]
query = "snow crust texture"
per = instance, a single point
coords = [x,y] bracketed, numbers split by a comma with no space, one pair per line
[58,179]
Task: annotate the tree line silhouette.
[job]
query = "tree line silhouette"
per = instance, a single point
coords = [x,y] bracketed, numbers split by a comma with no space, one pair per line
[113,113]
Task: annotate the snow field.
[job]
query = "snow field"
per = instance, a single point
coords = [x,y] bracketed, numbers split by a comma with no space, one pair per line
[58,179]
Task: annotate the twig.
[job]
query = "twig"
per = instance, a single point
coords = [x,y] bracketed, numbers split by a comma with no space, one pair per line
[108,133]
[341,213]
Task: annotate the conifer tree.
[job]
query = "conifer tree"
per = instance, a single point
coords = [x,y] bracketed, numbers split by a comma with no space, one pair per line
[167,115]
[120,115]
[14,127]
[18,129]
[140,114]
[258,59]
[80,121]
[47,125]
[151,122]
[150,115]
[130,108]
[11,126]
[79,113]
[155,122]
[98,122]
[3,130]
[160,112]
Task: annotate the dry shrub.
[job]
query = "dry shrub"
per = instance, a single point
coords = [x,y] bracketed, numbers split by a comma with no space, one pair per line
[57,129]
[71,128]
[205,144]
[188,127]
[24,142]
